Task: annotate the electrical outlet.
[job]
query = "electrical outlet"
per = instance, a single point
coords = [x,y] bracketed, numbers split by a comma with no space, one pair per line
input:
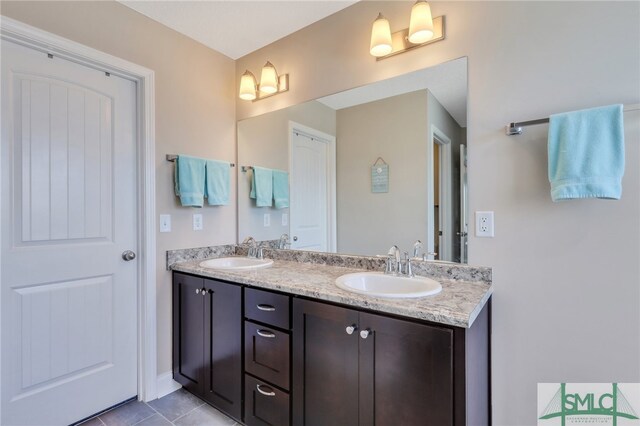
[197,222]
[165,223]
[267,219]
[484,224]
[285,219]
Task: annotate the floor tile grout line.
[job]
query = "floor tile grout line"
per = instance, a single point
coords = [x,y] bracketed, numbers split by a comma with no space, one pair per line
[159,413]
[154,413]
[190,411]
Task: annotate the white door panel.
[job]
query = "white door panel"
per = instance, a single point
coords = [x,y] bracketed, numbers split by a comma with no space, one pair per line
[68,299]
[308,209]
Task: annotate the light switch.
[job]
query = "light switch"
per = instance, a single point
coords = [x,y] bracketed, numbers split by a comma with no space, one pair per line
[197,222]
[165,223]
[267,219]
[285,219]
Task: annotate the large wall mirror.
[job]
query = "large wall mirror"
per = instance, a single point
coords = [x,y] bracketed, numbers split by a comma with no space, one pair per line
[368,168]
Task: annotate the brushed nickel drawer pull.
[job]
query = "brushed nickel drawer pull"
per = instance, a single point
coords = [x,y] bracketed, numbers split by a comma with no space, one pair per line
[266,334]
[267,308]
[270,392]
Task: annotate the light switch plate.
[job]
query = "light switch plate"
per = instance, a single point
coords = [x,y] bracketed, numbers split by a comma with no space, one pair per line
[267,219]
[285,219]
[197,222]
[165,223]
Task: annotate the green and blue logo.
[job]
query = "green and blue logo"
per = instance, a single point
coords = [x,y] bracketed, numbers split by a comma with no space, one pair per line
[589,403]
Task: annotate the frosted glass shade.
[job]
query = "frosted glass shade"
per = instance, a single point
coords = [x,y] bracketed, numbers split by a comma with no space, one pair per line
[247,86]
[380,37]
[421,24]
[269,79]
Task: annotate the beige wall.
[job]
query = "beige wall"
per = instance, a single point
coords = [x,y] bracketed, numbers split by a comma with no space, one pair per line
[396,130]
[567,294]
[264,141]
[195,99]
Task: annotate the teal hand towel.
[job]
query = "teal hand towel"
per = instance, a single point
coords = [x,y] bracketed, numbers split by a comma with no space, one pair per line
[189,180]
[262,186]
[281,189]
[586,153]
[217,182]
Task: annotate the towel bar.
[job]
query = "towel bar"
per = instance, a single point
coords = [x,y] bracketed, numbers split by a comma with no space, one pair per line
[174,157]
[513,129]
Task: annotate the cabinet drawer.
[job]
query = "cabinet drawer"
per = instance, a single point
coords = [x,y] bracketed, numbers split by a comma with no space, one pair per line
[264,404]
[266,354]
[267,307]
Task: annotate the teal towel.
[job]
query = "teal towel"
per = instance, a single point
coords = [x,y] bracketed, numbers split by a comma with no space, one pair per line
[281,189]
[262,186]
[189,180]
[586,153]
[217,182]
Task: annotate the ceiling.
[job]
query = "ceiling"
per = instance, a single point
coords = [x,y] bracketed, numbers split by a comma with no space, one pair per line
[447,82]
[236,28]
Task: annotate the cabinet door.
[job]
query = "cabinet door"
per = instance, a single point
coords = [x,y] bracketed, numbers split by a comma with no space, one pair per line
[223,346]
[188,333]
[406,373]
[325,365]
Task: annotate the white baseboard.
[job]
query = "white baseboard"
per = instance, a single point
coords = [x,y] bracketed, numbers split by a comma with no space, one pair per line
[166,384]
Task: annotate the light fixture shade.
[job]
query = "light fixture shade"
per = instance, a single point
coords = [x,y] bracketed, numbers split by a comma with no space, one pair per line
[421,24]
[269,79]
[380,37]
[247,86]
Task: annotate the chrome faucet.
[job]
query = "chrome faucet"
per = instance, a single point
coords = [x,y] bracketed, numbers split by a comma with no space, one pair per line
[397,267]
[284,241]
[253,247]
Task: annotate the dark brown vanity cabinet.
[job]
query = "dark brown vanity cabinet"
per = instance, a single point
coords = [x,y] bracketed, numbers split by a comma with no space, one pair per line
[207,340]
[269,359]
[358,368]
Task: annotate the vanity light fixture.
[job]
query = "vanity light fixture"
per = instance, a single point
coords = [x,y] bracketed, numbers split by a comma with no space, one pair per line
[270,84]
[423,30]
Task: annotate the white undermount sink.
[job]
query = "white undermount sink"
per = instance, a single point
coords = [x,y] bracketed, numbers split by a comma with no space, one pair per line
[236,263]
[383,285]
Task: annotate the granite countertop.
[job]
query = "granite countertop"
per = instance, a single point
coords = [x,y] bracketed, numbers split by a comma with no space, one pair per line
[458,304]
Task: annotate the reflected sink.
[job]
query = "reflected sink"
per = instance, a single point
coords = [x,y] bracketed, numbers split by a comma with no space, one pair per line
[236,263]
[382,285]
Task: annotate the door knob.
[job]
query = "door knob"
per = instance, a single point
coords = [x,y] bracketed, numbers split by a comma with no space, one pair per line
[365,333]
[350,329]
[295,238]
[128,255]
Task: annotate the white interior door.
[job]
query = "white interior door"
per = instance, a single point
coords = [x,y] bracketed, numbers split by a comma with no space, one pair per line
[308,186]
[68,212]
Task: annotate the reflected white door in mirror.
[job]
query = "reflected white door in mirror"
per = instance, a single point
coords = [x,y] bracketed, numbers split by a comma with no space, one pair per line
[312,205]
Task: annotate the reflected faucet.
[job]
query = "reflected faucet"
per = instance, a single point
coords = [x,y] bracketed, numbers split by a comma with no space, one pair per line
[393,265]
[284,241]
[253,247]
[416,248]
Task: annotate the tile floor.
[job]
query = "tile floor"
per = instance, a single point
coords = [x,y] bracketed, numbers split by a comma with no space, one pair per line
[179,408]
